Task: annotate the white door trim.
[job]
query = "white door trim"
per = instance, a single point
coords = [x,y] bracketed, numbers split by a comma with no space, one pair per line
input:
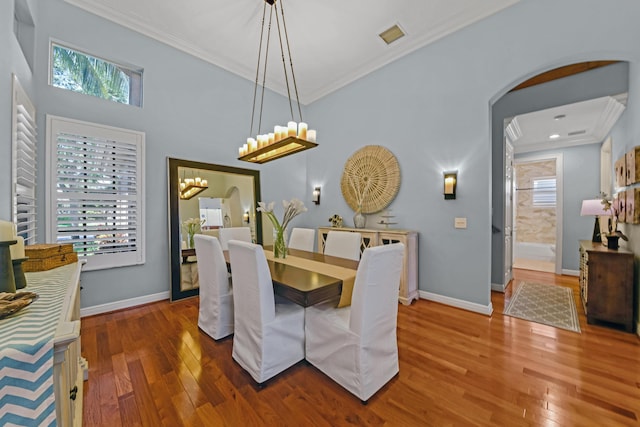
[559,197]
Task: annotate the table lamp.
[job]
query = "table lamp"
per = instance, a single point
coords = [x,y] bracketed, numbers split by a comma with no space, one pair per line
[594,207]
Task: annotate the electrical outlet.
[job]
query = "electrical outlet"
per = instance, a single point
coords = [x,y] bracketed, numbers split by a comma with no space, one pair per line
[460,223]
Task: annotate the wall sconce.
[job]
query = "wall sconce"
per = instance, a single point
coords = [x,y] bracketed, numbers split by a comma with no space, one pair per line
[450,183]
[245,217]
[315,196]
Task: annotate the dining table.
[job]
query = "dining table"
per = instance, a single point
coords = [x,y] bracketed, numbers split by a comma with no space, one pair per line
[309,278]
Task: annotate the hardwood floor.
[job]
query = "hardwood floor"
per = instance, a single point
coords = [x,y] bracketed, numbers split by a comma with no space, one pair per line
[151,366]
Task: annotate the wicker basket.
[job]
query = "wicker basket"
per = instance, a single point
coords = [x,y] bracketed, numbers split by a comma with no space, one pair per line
[47,256]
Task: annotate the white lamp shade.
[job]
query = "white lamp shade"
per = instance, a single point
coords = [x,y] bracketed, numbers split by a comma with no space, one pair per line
[593,207]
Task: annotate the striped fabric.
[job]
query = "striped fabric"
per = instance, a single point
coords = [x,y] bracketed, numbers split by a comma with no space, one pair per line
[26,352]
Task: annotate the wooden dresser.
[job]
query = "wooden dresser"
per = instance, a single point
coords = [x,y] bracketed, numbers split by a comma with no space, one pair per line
[606,284]
[41,345]
[370,237]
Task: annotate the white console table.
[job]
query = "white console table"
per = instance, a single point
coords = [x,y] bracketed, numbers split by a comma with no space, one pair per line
[40,346]
[372,237]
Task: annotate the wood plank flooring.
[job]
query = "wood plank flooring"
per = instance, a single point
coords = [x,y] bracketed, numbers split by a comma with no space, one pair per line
[151,366]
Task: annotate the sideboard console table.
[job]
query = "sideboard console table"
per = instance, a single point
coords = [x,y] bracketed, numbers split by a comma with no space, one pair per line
[373,237]
[606,284]
[40,346]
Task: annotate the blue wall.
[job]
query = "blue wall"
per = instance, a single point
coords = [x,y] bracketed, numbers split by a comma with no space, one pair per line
[432,109]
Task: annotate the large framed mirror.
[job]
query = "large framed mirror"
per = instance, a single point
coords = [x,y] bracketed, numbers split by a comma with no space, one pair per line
[223,196]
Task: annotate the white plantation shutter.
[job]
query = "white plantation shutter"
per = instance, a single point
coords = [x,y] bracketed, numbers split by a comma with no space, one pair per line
[24,163]
[96,191]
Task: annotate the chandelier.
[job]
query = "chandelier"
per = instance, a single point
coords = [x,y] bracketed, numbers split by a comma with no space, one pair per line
[189,187]
[284,140]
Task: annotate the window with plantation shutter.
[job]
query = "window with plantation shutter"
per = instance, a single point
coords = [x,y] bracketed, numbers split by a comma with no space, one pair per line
[96,193]
[24,163]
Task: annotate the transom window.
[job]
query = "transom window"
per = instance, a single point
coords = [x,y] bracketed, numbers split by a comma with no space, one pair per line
[79,72]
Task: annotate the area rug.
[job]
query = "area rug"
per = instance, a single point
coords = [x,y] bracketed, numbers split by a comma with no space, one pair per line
[547,304]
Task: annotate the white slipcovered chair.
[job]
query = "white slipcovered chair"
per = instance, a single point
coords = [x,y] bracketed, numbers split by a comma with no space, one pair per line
[303,239]
[233,233]
[356,346]
[269,335]
[215,316]
[343,244]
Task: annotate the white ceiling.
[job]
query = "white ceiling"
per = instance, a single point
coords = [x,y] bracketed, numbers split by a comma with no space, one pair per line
[333,42]
[580,123]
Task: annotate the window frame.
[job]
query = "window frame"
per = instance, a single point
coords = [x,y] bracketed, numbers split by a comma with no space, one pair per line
[60,125]
[135,74]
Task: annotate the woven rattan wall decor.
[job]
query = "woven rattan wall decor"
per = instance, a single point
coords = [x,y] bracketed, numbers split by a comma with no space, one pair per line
[371,179]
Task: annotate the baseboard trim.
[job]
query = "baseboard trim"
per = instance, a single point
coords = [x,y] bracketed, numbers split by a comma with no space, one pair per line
[571,272]
[498,287]
[119,305]
[458,303]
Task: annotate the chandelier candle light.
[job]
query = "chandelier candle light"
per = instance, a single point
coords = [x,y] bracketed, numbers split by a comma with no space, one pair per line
[284,140]
[189,187]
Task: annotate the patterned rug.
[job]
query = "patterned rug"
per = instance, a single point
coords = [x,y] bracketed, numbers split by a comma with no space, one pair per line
[547,304]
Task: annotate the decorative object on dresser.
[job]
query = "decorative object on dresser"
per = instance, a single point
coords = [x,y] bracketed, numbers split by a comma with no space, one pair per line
[336,221]
[606,284]
[7,277]
[370,238]
[370,181]
[7,239]
[594,207]
[17,258]
[10,302]
[46,256]
[386,219]
[613,234]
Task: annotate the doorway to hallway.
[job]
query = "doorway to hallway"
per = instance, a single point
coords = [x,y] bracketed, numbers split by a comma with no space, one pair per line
[535,214]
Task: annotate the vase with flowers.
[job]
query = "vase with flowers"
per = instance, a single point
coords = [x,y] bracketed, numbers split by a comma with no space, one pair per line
[613,234]
[292,208]
[191,227]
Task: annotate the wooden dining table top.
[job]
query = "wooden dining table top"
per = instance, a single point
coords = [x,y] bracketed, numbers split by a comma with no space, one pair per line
[302,286]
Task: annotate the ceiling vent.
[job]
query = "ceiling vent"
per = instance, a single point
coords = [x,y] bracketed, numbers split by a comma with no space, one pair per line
[577,132]
[392,34]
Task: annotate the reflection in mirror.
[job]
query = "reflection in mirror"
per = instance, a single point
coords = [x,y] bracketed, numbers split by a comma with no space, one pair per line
[211,197]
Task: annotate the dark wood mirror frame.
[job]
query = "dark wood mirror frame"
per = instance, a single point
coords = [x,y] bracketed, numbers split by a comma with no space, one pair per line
[174,215]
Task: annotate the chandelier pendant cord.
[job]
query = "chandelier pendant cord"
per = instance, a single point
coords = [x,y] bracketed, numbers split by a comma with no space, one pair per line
[255,87]
[284,64]
[264,71]
[293,76]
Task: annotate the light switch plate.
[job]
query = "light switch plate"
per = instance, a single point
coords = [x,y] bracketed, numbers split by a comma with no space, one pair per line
[460,223]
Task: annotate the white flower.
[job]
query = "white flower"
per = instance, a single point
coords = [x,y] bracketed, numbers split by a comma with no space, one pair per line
[292,208]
